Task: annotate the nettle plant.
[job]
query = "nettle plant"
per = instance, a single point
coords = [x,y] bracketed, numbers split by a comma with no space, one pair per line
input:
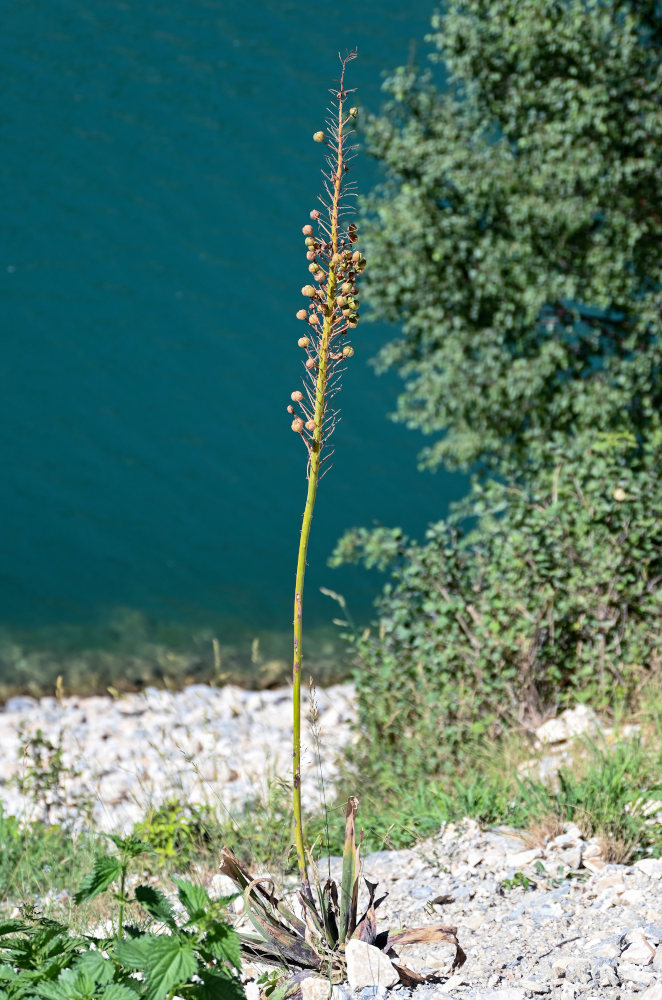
[314,942]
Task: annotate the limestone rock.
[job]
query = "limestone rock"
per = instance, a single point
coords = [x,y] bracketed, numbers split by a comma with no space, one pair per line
[523,858]
[368,966]
[315,988]
[631,973]
[568,725]
[650,866]
[639,949]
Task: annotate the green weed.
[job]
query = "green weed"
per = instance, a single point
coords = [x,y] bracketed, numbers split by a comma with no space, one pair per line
[197,955]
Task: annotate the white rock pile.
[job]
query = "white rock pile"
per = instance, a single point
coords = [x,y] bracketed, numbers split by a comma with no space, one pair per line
[220,746]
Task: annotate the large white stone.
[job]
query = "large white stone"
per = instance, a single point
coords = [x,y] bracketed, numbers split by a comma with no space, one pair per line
[315,988]
[523,858]
[652,993]
[368,966]
[650,866]
[568,725]
[639,951]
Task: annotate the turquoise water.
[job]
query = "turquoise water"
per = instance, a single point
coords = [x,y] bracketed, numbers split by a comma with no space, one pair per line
[157,167]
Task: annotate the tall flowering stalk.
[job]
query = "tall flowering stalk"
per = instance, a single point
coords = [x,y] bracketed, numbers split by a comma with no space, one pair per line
[314,941]
[332,312]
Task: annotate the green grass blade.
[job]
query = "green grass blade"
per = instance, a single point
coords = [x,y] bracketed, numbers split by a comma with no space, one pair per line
[350,867]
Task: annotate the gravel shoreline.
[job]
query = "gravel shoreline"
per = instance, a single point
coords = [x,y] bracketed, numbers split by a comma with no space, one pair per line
[220,746]
[546,919]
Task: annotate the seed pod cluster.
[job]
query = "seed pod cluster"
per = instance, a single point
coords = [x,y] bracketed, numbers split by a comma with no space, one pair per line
[334,265]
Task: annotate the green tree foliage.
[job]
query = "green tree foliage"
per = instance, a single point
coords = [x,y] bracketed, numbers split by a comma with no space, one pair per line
[517,237]
[517,240]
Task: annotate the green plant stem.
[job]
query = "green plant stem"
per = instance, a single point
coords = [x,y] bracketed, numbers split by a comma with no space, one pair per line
[313,478]
[120,908]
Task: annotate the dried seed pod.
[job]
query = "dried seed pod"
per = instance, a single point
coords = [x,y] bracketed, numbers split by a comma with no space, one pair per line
[352,322]
[352,233]
[307,230]
[347,287]
[314,214]
[308,291]
[348,351]
[297,425]
[297,396]
[290,408]
[318,136]
[310,255]
[356,256]
[302,314]
[341,301]
[313,268]
[310,364]
[303,341]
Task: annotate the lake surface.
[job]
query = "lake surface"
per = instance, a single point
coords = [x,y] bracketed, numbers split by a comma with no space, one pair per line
[157,168]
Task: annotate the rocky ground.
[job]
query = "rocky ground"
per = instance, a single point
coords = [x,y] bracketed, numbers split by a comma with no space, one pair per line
[543,917]
[219,746]
[544,920]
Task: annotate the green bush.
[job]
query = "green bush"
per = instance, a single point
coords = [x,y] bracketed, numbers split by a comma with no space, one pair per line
[516,241]
[551,594]
[196,954]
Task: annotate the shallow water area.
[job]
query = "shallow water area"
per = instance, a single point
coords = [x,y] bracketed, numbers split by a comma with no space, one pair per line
[158,165]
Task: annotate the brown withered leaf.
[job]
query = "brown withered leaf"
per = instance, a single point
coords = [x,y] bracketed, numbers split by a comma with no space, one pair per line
[407,976]
[366,928]
[428,935]
[422,935]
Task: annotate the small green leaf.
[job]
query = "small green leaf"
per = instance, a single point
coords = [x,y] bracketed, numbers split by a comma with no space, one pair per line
[223,942]
[120,991]
[166,961]
[131,847]
[99,968]
[216,986]
[156,904]
[105,871]
[193,898]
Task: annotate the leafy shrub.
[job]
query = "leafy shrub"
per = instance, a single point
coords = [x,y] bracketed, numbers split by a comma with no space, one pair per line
[177,830]
[514,240]
[530,597]
[198,956]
